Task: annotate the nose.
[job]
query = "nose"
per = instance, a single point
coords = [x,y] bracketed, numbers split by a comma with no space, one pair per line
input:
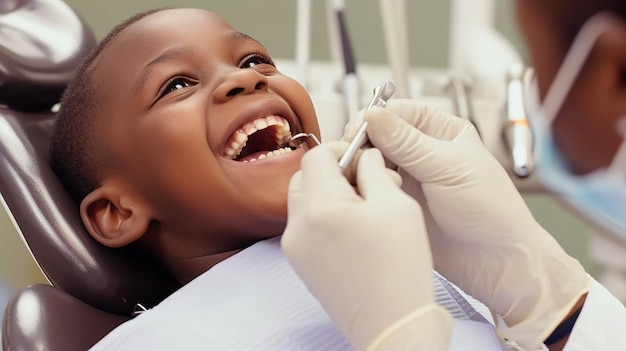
[240,82]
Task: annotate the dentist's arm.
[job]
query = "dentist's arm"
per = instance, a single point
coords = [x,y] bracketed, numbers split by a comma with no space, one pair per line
[483,237]
[364,253]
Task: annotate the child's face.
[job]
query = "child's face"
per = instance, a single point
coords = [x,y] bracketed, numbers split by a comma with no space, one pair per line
[180,85]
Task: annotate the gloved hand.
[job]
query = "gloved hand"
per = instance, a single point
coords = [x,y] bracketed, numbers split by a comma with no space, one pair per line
[483,237]
[364,253]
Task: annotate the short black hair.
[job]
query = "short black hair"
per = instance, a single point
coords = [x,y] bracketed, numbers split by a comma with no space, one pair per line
[76,155]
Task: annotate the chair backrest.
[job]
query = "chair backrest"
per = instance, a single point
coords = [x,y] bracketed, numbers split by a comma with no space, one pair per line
[42,317]
[41,44]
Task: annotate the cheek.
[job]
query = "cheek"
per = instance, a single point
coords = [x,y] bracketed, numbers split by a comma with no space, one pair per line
[171,151]
[299,100]
[585,131]
[177,130]
[192,184]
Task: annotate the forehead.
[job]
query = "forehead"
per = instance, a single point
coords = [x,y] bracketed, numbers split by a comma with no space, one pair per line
[146,39]
[175,21]
[162,29]
[165,24]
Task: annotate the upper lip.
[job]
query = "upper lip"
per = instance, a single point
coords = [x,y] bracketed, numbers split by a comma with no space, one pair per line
[261,108]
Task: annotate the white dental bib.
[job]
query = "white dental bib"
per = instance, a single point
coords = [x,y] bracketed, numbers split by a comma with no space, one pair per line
[254,301]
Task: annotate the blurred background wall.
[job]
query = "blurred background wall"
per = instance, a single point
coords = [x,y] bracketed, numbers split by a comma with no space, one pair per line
[272,22]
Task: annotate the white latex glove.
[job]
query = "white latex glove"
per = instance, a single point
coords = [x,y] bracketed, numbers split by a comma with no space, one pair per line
[364,256]
[483,237]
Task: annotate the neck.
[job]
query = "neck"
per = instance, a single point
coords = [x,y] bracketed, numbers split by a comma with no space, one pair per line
[187,269]
[188,256]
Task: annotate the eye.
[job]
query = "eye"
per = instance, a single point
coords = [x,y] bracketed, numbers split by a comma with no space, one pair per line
[253,60]
[175,83]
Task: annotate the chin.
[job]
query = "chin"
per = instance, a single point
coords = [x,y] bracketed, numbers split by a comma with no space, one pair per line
[276,208]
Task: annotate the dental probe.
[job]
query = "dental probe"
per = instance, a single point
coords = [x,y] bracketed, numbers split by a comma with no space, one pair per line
[382,93]
[301,138]
[517,132]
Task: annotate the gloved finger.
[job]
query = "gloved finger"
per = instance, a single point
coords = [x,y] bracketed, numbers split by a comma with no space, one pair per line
[395,176]
[350,130]
[350,171]
[423,156]
[353,125]
[429,120]
[373,179]
[325,156]
[397,140]
[295,185]
[322,179]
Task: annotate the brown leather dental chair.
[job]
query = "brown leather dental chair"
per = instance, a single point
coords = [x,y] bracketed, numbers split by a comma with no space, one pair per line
[93,289]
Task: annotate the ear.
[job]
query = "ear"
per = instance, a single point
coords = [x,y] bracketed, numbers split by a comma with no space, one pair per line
[113,219]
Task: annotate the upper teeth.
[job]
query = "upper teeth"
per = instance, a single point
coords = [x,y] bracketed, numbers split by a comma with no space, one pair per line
[238,140]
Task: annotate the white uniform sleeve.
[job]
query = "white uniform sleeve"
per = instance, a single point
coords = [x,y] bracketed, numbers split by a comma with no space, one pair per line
[601,324]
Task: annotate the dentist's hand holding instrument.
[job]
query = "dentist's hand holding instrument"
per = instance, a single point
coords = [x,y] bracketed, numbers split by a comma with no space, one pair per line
[378,301]
[382,93]
[483,237]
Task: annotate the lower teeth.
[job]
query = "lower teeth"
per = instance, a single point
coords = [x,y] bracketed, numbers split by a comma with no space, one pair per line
[276,152]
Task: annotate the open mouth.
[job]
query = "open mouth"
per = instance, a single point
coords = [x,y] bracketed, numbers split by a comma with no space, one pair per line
[262,138]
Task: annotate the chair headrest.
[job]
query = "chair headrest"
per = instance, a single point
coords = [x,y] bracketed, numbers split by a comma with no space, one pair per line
[32,78]
[41,44]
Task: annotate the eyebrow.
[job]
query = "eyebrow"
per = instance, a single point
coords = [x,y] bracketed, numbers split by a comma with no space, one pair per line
[167,55]
[173,53]
[237,36]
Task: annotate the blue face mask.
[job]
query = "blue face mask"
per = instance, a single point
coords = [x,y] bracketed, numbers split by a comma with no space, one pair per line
[599,196]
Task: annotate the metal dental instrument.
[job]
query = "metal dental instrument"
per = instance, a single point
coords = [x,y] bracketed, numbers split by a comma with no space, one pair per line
[382,93]
[462,101]
[301,138]
[517,132]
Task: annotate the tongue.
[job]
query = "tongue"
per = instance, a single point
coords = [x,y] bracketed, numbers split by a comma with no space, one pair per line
[259,143]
